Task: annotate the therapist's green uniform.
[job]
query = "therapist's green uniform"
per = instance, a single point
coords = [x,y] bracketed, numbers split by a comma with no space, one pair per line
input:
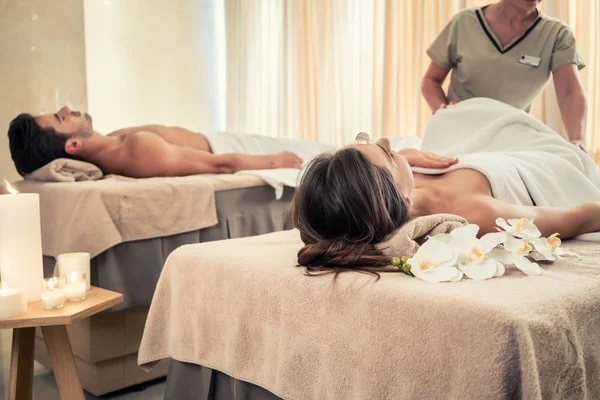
[514,74]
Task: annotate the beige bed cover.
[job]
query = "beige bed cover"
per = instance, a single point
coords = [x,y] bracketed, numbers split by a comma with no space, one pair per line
[92,216]
[242,307]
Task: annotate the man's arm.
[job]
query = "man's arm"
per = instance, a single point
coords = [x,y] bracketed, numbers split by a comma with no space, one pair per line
[150,156]
[571,101]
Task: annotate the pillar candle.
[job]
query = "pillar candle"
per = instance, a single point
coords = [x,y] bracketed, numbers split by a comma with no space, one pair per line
[12,301]
[21,264]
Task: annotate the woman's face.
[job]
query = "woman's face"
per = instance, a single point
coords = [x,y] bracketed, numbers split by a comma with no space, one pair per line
[524,5]
[381,154]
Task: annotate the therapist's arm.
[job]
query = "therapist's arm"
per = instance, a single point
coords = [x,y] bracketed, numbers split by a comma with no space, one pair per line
[572,102]
[431,87]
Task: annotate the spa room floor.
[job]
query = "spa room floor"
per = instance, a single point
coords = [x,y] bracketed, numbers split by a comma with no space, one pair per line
[44,385]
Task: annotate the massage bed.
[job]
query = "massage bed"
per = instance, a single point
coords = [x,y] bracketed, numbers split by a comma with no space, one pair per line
[105,346]
[238,316]
[240,319]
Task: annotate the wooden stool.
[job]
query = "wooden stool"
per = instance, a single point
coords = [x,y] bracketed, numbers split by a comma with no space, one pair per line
[53,323]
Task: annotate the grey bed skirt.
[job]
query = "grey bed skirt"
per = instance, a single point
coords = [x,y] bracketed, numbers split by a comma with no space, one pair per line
[133,268]
[190,381]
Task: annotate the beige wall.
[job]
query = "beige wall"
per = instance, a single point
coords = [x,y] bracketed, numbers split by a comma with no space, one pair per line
[42,64]
[151,61]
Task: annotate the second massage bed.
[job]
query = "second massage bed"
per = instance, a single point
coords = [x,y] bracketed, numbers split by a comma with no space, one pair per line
[105,346]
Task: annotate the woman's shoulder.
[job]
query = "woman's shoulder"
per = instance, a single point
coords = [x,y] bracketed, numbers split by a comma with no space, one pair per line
[466,18]
[466,15]
[556,25]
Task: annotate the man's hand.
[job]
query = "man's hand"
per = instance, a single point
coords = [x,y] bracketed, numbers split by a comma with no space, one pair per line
[580,144]
[285,159]
[418,158]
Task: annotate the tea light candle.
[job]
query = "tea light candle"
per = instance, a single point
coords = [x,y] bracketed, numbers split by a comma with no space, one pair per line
[74,286]
[69,262]
[13,302]
[52,296]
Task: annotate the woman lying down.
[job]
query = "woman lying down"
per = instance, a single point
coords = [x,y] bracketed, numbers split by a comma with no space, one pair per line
[510,166]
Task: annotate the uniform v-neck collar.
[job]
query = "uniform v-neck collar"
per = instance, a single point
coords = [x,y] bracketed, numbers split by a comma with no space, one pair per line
[494,39]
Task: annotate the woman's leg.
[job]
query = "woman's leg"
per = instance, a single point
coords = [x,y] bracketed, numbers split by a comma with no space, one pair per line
[568,222]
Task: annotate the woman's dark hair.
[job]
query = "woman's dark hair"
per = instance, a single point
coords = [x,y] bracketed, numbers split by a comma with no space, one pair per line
[343,207]
[32,147]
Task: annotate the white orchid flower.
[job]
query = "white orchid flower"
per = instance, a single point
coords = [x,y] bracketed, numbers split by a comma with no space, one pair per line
[521,228]
[473,253]
[528,267]
[547,249]
[434,262]
[518,249]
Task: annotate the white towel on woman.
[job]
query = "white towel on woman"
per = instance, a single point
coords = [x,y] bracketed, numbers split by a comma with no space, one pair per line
[526,162]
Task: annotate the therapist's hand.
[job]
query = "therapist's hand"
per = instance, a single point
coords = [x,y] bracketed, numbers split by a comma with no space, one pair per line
[443,106]
[421,159]
[580,144]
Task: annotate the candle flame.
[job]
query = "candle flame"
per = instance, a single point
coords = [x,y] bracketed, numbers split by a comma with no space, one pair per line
[11,189]
[3,288]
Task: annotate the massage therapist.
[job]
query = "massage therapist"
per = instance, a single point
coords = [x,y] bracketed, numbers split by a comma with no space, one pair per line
[507,51]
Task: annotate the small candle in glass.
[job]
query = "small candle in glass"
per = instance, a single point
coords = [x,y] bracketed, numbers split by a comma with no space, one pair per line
[68,262]
[74,285]
[52,295]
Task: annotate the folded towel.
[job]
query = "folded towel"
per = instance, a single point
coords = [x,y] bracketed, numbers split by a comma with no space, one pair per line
[406,240]
[277,178]
[66,170]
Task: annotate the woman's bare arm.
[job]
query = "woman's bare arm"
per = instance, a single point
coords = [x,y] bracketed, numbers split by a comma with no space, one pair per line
[568,222]
[431,86]
[571,101]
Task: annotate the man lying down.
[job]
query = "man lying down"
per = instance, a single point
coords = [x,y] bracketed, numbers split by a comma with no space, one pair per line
[149,150]
[510,166]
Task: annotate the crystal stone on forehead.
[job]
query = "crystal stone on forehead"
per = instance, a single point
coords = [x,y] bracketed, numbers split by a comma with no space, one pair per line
[363,138]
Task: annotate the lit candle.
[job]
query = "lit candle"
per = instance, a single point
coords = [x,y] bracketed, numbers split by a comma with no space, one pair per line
[13,302]
[52,296]
[69,262]
[74,286]
[21,242]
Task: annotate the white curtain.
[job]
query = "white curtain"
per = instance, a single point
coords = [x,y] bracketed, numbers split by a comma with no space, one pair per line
[327,69]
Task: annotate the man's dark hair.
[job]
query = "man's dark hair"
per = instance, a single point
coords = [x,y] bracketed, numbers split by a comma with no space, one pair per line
[32,147]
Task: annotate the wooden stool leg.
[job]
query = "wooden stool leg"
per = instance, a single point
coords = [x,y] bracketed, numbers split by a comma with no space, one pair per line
[21,364]
[63,363]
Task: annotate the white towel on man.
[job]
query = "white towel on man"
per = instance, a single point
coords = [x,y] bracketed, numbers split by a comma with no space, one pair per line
[526,162]
[228,142]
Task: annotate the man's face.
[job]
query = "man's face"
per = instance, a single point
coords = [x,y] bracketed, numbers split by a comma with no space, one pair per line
[67,122]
